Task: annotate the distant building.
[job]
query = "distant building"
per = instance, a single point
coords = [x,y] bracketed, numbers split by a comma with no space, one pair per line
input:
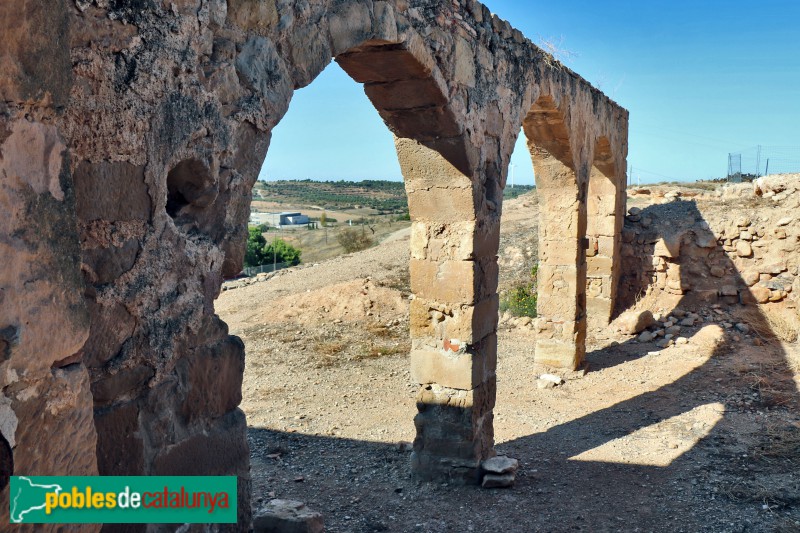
[286,219]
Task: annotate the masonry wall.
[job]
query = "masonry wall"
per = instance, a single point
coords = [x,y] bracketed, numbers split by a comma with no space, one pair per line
[744,253]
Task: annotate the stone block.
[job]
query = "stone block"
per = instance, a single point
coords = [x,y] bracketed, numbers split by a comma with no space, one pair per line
[442,204]
[744,249]
[760,293]
[498,481]
[35,55]
[124,382]
[598,311]
[111,326]
[350,25]
[423,123]
[448,282]
[287,516]
[253,15]
[599,266]
[125,195]
[668,246]
[220,450]
[559,353]
[606,246]
[217,368]
[633,322]
[120,448]
[50,425]
[470,324]
[464,57]
[463,370]
[560,251]
[378,64]
[109,263]
[406,94]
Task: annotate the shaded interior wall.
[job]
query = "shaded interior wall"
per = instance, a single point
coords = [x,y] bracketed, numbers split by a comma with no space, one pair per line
[128,157]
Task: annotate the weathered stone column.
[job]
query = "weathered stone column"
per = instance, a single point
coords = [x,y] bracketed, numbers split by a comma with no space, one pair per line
[453,315]
[561,304]
[605,216]
[603,246]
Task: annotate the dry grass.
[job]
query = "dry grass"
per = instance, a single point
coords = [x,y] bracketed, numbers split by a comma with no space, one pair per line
[377,351]
[555,55]
[646,300]
[754,493]
[321,244]
[780,443]
[771,323]
[379,330]
[331,348]
[328,353]
[787,525]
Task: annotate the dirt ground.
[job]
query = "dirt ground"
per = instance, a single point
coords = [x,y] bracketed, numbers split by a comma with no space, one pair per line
[699,437]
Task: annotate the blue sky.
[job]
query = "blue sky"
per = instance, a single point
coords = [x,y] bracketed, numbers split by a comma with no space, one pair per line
[700,79]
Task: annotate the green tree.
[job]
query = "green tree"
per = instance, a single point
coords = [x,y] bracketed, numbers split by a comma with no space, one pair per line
[254,255]
[281,251]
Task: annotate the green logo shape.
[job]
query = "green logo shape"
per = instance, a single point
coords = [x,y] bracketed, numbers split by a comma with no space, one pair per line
[123,500]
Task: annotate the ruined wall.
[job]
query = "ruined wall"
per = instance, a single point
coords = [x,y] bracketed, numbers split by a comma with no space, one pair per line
[131,134]
[706,250]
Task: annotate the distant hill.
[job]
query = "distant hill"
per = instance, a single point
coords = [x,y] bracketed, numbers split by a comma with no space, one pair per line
[387,197]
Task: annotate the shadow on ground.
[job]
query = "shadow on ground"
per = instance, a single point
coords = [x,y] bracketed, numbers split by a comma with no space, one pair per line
[737,475]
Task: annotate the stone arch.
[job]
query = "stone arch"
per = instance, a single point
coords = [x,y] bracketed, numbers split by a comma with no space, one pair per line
[605,203]
[453,258]
[561,323]
[169,112]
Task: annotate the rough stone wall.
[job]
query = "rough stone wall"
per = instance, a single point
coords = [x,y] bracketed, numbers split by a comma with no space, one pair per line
[705,256]
[46,421]
[132,133]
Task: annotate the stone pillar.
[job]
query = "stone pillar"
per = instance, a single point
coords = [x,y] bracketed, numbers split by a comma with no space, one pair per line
[561,305]
[603,237]
[453,315]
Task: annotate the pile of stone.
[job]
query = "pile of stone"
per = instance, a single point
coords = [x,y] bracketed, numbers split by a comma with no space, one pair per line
[260,277]
[678,327]
[509,321]
[287,516]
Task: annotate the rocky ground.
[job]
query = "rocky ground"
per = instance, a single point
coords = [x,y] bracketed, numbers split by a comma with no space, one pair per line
[701,435]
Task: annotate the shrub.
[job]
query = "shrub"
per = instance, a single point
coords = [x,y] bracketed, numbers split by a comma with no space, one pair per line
[353,241]
[520,300]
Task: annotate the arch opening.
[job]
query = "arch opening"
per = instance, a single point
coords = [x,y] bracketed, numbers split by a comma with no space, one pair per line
[445,274]
[561,301]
